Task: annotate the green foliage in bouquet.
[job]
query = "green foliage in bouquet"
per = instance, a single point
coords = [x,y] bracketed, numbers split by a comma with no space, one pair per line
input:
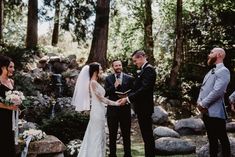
[66,126]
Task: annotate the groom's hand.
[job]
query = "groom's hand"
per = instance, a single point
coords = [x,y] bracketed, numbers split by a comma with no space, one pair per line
[122,101]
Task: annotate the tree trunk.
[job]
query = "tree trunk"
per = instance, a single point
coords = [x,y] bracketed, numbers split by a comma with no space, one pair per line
[148,37]
[32,27]
[98,50]
[1,20]
[55,35]
[179,46]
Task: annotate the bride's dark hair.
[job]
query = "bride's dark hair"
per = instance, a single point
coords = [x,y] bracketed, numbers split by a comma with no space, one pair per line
[94,67]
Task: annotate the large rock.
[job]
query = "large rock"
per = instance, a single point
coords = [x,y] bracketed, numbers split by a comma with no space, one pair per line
[204,150]
[159,116]
[173,146]
[165,132]
[230,127]
[190,126]
[50,146]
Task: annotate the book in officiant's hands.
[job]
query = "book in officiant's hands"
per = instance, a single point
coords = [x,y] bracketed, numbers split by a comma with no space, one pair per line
[122,94]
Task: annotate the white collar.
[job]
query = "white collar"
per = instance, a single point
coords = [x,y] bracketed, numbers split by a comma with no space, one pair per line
[144,65]
[219,65]
[120,74]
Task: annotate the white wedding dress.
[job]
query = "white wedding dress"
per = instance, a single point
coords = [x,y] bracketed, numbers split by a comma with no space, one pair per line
[94,141]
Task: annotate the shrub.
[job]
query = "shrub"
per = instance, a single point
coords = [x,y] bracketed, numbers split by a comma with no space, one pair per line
[66,126]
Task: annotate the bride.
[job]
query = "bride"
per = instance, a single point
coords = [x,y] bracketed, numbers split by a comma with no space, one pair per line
[89,95]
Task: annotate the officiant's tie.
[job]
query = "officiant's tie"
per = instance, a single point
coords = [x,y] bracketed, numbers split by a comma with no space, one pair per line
[118,77]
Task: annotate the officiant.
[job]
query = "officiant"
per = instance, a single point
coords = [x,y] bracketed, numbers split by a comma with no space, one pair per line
[117,86]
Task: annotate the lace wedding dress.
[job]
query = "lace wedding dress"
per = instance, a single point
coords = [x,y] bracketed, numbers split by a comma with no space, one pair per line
[94,141]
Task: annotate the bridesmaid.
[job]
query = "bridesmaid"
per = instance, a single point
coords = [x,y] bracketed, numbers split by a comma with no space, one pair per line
[7,140]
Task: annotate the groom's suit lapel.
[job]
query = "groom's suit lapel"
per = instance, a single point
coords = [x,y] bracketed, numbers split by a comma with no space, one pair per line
[142,70]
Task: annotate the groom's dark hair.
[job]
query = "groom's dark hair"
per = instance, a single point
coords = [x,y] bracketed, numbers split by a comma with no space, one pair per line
[138,53]
[94,67]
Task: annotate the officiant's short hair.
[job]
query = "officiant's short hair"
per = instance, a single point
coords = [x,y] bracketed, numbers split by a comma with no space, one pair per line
[115,61]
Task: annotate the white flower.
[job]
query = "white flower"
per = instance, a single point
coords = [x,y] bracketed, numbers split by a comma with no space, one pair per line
[14,97]
[36,134]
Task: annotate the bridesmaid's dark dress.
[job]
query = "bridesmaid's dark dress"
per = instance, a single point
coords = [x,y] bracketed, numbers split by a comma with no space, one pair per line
[7,141]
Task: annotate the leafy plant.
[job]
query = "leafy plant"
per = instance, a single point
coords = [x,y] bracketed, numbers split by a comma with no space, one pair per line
[66,126]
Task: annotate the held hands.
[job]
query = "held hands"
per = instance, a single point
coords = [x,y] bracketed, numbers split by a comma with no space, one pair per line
[122,101]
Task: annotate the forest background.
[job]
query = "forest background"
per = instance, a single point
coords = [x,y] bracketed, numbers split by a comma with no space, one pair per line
[177,36]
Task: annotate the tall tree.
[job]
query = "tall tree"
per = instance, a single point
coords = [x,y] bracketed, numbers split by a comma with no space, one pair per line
[55,35]
[98,50]
[32,26]
[179,46]
[148,37]
[1,20]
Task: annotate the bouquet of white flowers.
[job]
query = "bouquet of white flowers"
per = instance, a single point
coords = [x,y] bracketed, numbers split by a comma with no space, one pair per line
[13,98]
[35,134]
[31,135]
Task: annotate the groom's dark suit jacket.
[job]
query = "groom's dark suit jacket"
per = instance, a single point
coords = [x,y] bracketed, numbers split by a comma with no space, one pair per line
[142,95]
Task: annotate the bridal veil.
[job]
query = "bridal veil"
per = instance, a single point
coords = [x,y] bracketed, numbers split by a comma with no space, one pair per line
[81,95]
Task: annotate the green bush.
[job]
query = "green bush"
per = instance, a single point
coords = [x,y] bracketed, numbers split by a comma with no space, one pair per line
[19,55]
[66,126]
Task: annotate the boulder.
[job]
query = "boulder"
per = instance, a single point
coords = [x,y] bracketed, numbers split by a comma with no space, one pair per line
[204,150]
[173,146]
[190,126]
[50,146]
[160,116]
[230,127]
[165,132]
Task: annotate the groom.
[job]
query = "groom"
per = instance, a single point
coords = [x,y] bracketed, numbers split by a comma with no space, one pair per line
[118,115]
[142,99]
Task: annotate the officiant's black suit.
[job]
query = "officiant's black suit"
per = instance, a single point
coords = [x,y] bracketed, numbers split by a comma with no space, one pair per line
[142,100]
[118,114]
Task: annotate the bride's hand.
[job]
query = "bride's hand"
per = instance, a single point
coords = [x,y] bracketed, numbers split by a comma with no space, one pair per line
[122,101]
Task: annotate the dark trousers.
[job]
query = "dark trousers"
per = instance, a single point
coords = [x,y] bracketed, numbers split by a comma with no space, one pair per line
[119,116]
[145,123]
[216,130]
